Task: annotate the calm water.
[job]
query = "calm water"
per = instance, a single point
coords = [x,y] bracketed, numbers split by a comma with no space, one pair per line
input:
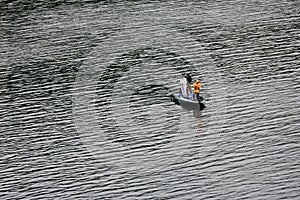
[85,112]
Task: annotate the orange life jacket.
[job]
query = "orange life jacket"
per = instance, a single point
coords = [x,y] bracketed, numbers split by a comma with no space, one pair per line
[197,87]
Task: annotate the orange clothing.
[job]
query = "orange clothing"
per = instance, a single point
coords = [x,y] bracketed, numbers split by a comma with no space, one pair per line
[197,87]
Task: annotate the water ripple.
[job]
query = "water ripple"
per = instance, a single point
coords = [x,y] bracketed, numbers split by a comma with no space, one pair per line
[85,111]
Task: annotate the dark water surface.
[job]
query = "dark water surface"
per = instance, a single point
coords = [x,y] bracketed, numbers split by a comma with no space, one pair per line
[84,104]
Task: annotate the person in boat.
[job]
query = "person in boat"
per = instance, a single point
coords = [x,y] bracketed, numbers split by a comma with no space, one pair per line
[189,84]
[183,85]
[189,78]
[197,86]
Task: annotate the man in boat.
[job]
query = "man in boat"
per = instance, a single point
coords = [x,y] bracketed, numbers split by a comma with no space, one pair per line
[189,84]
[183,84]
[189,78]
[197,86]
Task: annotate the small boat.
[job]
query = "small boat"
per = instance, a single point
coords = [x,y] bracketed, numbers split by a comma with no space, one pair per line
[188,103]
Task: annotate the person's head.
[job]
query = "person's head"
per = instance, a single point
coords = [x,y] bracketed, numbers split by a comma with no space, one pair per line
[197,81]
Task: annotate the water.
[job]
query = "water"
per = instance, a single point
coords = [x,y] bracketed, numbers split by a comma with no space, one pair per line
[85,111]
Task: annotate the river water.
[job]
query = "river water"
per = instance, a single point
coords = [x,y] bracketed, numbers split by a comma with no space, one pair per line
[85,112]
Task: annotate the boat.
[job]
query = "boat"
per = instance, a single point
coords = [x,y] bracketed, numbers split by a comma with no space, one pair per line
[188,103]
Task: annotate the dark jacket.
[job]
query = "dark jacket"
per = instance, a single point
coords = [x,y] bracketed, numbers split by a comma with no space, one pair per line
[189,78]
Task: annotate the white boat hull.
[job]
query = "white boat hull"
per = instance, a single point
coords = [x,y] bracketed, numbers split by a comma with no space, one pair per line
[188,103]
